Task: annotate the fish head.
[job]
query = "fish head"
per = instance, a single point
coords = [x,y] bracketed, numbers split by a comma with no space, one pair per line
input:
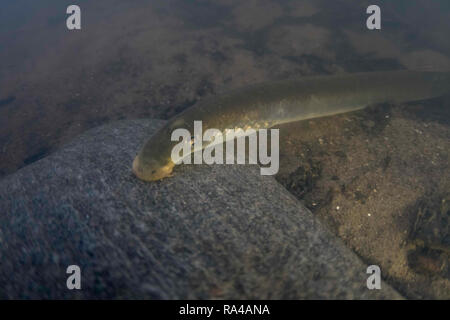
[152,169]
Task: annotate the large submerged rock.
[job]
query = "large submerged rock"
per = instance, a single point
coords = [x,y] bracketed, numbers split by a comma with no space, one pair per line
[208,232]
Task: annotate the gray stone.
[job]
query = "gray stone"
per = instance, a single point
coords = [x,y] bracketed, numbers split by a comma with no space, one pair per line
[208,232]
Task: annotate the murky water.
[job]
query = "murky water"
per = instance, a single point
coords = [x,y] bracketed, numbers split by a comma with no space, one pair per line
[136,58]
[155,58]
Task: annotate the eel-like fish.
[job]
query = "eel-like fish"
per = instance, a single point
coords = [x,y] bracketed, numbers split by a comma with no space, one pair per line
[269,104]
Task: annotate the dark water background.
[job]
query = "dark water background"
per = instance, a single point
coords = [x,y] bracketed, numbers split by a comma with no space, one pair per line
[154,58]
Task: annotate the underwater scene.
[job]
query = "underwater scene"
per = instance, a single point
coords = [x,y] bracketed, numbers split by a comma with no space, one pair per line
[350,199]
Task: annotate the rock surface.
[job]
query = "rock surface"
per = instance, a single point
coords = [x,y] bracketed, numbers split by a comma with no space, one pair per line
[208,232]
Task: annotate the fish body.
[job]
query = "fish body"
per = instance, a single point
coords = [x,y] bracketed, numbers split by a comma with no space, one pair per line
[269,104]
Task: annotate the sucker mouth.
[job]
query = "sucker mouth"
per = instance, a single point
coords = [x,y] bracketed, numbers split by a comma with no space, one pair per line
[164,172]
[137,170]
[135,167]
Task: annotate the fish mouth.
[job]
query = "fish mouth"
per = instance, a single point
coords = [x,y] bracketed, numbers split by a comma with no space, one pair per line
[136,168]
[139,172]
[161,173]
